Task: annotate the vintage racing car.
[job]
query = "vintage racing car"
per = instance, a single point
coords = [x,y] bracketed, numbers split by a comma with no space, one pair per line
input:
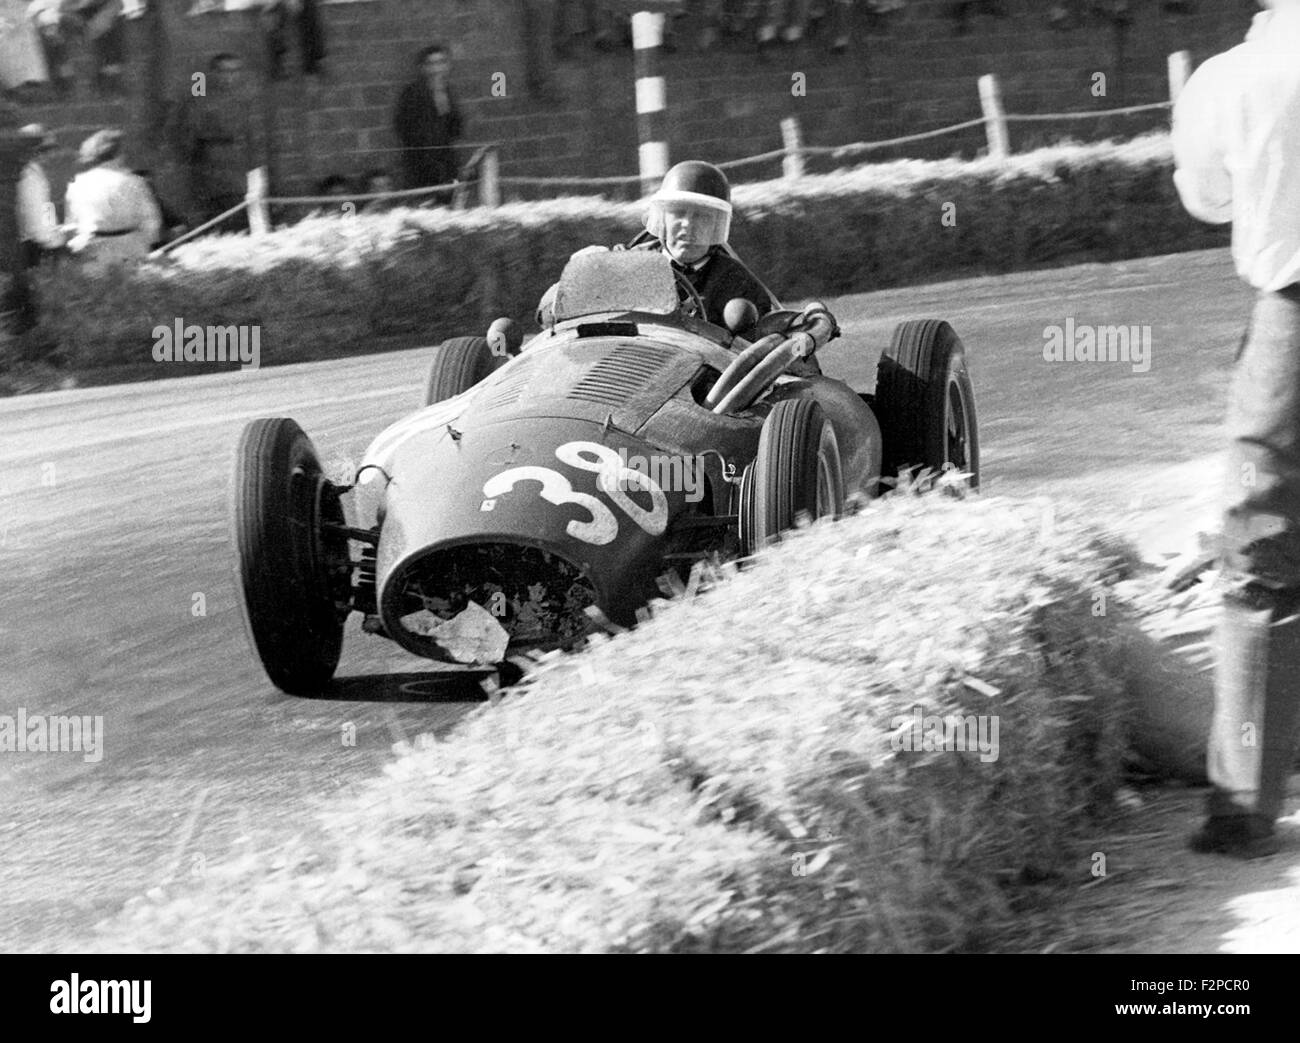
[628,438]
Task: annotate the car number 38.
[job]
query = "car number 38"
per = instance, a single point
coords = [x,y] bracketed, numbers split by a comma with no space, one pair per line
[614,478]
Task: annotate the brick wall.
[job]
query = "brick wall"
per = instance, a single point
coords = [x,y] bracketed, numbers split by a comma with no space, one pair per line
[906,73]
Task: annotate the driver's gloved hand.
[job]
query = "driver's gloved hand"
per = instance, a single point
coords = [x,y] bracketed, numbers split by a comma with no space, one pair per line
[816,309]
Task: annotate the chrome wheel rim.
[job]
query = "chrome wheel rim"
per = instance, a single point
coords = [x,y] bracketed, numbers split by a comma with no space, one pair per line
[829,495]
[957,433]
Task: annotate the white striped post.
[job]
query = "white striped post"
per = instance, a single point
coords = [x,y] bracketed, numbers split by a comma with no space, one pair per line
[995,117]
[647,37]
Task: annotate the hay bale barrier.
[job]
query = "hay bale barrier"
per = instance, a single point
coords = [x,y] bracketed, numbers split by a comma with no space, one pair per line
[1169,662]
[327,287]
[753,769]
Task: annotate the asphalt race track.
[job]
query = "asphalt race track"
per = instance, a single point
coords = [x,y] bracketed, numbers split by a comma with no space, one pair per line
[113,522]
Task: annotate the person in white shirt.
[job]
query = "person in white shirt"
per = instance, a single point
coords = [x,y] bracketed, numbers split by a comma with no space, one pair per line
[1237,155]
[38,222]
[112,212]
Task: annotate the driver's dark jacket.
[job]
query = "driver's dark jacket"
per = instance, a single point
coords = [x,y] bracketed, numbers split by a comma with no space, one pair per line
[717,279]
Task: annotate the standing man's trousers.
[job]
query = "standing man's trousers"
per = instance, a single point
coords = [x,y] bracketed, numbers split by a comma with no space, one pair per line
[1257,683]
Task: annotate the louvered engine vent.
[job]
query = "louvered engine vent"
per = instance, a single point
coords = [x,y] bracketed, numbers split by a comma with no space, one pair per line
[507,390]
[620,374]
[507,393]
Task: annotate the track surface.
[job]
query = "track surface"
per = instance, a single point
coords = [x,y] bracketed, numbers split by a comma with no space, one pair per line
[112,522]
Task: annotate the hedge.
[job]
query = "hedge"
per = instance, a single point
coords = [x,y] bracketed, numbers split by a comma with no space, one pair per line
[728,776]
[348,285]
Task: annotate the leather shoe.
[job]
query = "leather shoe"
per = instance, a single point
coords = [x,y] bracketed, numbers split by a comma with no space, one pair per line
[1238,836]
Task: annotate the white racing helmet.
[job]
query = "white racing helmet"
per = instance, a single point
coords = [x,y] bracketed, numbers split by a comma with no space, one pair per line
[702,188]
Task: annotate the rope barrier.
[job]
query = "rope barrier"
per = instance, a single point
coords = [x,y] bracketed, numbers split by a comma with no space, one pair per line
[198,231]
[762,157]
[1042,117]
[834,151]
[840,151]
[623,180]
[843,151]
[359,197]
[421,148]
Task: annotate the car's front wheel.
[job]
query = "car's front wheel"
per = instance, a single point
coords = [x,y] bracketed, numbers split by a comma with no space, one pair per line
[797,470]
[925,403]
[293,573]
[458,364]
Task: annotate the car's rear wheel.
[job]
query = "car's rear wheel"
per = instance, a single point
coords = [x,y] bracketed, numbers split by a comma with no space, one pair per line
[796,471]
[925,402]
[458,364]
[293,574]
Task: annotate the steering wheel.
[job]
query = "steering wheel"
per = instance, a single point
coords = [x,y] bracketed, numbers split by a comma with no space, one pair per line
[693,297]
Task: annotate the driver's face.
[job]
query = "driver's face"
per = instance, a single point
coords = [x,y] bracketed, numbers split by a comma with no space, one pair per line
[683,225]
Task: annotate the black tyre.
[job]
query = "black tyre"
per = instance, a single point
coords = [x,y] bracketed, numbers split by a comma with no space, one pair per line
[925,402]
[458,364]
[293,576]
[796,471]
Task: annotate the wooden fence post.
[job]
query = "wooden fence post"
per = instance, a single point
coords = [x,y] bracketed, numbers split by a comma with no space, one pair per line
[259,218]
[489,185]
[995,125]
[1180,67]
[489,277]
[792,142]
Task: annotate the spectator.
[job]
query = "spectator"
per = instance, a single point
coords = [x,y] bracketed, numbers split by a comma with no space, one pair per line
[278,18]
[428,124]
[1236,145]
[378,181]
[111,211]
[56,27]
[335,185]
[38,222]
[220,142]
[173,223]
[105,29]
[101,23]
[22,59]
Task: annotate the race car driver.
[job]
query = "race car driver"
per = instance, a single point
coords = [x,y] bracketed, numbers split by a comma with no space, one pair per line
[690,219]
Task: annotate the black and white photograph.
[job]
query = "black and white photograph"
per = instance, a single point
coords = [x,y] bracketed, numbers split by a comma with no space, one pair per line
[650,477]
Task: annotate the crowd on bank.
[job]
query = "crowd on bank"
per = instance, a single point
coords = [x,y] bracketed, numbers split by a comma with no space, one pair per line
[42,42]
[113,212]
[714,24]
